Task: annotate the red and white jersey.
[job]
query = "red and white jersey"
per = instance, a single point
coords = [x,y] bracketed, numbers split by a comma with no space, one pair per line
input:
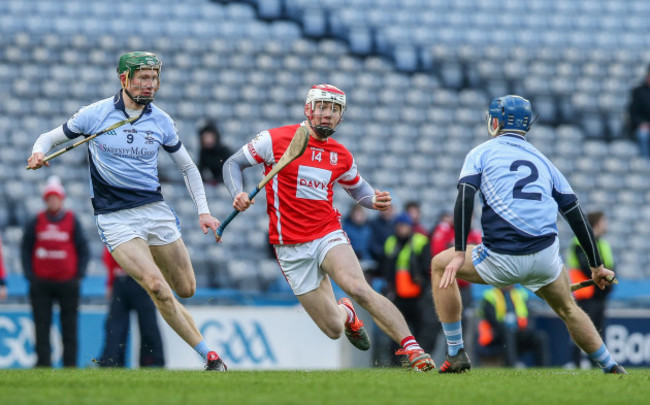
[299,198]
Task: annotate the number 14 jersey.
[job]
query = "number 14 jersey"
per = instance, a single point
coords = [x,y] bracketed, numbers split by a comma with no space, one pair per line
[299,197]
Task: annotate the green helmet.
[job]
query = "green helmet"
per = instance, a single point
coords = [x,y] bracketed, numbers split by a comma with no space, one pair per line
[137,60]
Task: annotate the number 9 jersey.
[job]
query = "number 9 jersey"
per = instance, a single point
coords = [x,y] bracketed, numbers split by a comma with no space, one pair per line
[520,190]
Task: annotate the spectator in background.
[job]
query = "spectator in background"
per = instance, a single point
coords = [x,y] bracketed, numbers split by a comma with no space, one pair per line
[406,269]
[591,299]
[504,329]
[359,232]
[54,257]
[126,295]
[413,209]
[382,227]
[3,281]
[639,115]
[212,154]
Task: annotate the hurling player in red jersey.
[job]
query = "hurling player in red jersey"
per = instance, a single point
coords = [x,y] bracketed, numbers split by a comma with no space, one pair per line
[305,228]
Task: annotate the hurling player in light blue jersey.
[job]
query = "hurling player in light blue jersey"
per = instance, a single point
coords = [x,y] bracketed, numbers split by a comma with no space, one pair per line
[138,227]
[521,192]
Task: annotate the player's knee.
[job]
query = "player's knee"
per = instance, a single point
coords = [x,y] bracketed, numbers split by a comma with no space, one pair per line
[186,291]
[361,293]
[567,311]
[439,262]
[157,288]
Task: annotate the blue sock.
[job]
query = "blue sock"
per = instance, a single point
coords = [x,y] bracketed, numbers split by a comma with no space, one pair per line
[454,335]
[202,349]
[603,358]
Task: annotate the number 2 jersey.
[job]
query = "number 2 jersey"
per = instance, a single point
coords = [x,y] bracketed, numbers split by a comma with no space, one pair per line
[520,190]
[299,197]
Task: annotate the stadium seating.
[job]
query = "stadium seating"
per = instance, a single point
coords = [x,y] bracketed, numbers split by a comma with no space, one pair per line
[418,75]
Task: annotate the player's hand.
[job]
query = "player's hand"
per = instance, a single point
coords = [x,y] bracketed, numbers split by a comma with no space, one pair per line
[36,161]
[602,277]
[449,276]
[242,202]
[207,221]
[3,292]
[381,201]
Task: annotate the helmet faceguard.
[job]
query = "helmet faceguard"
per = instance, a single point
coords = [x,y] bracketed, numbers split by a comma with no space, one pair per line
[328,103]
[138,61]
[509,113]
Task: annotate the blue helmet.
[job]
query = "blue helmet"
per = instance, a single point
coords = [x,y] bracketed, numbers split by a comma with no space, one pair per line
[509,113]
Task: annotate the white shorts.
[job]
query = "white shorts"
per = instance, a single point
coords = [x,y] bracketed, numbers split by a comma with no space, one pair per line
[532,271]
[301,262]
[156,223]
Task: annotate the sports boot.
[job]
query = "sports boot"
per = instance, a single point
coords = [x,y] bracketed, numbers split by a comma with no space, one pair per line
[456,364]
[215,363]
[616,369]
[419,360]
[355,331]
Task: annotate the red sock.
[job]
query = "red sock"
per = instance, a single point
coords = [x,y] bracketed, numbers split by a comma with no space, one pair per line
[409,343]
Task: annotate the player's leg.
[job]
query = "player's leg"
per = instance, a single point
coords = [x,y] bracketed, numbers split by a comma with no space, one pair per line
[129,234]
[137,261]
[558,296]
[174,262]
[450,308]
[321,306]
[342,265]
[151,347]
[448,301]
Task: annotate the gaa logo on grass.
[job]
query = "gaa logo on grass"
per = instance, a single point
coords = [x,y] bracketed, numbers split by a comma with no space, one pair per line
[239,342]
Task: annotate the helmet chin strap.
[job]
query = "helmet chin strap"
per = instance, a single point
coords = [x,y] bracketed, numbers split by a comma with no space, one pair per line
[322,131]
[139,100]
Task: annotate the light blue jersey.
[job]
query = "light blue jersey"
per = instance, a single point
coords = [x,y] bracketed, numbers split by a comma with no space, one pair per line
[124,161]
[520,190]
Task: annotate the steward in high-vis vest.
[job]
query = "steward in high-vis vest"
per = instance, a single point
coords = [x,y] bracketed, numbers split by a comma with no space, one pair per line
[406,268]
[503,327]
[54,257]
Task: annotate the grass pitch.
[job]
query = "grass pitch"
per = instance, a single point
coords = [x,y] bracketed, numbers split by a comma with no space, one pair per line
[358,387]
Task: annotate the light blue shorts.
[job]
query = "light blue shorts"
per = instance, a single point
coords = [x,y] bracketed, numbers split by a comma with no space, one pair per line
[532,271]
[301,262]
[155,223]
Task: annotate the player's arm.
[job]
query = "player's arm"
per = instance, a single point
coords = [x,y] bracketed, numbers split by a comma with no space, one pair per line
[582,229]
[194,185]
[234,181]
[366,196]
[580,226]
[463,215]
[43,144]
[462,221]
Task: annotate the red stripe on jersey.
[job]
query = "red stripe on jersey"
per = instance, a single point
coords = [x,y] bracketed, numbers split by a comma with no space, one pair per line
[351,182]
[254,153]
[299,198]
